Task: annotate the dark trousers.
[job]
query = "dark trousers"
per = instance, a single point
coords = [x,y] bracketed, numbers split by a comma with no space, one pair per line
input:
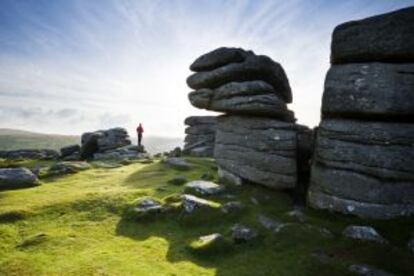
[139,139]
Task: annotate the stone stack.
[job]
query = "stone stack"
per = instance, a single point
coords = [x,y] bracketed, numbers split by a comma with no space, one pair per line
[256,139]
[364,155]
[200,133]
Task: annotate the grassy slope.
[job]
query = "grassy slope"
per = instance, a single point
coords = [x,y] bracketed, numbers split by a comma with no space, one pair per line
[74,225]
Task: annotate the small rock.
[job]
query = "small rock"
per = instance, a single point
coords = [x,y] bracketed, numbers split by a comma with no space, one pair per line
[232,207]
[241,233]
[177,163]
[178,180]
[191,203]
[68,167]
[203,187]
[365,233]
[210,243]
[269,223]
[254,201]
[363,269]
[148,206]
[297,214]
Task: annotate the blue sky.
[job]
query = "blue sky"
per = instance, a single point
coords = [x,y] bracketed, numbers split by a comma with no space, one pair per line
[69,66]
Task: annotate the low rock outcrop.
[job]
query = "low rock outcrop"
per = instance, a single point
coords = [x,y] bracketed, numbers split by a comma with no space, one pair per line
[17,178]
[200,133]
[35,154]
[364,154]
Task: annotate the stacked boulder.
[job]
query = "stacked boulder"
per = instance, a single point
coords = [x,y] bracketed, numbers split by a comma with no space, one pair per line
[200,133]
[364,156]
[256,140]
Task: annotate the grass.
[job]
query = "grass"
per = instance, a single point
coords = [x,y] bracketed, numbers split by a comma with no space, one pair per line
[77,225]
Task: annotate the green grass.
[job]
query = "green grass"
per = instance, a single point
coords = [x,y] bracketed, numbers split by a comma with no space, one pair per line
[77,225]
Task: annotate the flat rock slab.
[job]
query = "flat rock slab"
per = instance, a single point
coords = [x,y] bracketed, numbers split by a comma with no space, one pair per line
[251,69]
[201,187]
[200,120]
[250,97]
[367,270]
[370,90]
[192,203]
[364,233]
[17,178]
[387,38]
[260,150]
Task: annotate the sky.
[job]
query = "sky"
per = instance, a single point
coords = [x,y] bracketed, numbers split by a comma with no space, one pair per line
[69,66]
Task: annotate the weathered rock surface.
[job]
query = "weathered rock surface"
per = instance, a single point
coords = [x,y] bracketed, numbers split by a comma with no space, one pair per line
[251,69]
[218,58]
[259,150]
[35,154]
[68,167]
[363,165]
[192,203]
[250,97]
[229,178]
[370,90]
[387,38]
[177,163]
[200,136]
[364,233]
[201,187]
[17,178]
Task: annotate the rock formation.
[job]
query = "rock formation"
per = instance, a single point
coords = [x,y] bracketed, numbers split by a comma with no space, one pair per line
[200,133]
[364,155]
[256,141]
[103,140]
[35,154]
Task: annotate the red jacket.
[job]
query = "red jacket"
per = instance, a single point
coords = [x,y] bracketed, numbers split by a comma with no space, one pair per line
[140,129]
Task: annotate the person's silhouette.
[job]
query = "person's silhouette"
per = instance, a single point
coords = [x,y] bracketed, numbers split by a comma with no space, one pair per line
[140,131]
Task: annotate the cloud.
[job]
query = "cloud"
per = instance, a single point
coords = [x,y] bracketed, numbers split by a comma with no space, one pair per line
[74,66]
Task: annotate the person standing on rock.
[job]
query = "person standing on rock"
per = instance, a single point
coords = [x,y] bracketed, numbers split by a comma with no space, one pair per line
[140,131]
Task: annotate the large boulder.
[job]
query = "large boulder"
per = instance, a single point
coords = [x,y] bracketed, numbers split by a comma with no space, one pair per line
[249,97]
[259,150]
[251,69]
[387,38]
[370,90]
[69,150]
[17,178]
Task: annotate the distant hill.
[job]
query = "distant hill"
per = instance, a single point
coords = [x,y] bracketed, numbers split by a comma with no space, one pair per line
[13,139]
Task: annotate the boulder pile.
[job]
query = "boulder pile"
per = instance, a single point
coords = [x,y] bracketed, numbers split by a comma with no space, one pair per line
[256,141]
[200,133]
[364,155]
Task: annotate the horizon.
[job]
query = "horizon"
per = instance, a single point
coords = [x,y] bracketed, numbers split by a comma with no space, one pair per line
[70,67]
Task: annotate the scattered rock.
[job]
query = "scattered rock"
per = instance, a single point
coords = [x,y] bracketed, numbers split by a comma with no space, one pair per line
[254,200]
[177,163]
[232,207]
[17,178]
[67,167]
[201,187]
[363,269]
[69,150]
[297,214]
[241,233]
[178,180]
[146,208]
[191,203]
[210,243]
[269,223]
[35,154]
[365,233]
